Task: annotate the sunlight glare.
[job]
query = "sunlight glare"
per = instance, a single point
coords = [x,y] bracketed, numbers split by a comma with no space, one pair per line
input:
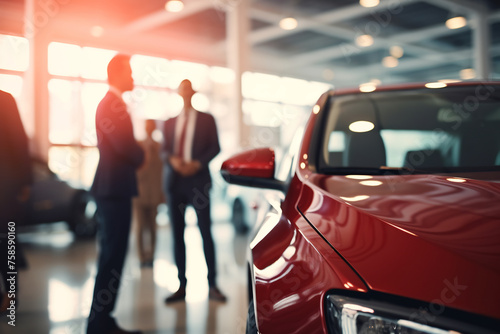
[58,307]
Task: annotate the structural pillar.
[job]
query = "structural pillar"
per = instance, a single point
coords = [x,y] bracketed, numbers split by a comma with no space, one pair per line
[481,45]
[36,21]
[237,53]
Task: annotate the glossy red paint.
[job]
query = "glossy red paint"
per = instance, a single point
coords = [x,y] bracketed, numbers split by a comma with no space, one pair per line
[407,221]
[430,238]
[253,163]
[293,268]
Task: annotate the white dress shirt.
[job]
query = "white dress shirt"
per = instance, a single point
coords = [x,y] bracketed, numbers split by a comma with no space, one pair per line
[188,141]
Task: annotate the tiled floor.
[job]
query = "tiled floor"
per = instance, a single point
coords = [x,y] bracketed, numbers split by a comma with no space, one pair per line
[55,292]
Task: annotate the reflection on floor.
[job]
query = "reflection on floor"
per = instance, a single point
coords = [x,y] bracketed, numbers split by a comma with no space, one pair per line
[55,292]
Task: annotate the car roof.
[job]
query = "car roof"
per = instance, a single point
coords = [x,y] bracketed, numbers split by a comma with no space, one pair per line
[407,86]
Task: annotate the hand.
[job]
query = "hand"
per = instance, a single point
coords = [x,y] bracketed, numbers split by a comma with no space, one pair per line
[190,168]
[177,163]
[145,163]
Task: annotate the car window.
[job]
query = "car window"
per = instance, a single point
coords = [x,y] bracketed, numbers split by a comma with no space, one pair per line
[429,130]
[399,142]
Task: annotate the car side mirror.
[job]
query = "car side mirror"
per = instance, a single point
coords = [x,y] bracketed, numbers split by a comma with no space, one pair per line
[252,168]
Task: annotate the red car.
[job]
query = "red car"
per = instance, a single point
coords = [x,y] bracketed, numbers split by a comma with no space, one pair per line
[391,218]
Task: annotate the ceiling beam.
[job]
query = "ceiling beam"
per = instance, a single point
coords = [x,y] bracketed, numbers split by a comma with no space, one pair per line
[186,49]
[272,63]
[321,24]
[459,6]
[162,17]
[348,49]
[273,16]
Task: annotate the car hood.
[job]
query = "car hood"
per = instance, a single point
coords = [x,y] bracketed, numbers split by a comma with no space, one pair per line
[427,237]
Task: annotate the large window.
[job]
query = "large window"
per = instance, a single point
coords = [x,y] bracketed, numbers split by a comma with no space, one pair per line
[77,82]
[273,106]
[14,61]
[277,105]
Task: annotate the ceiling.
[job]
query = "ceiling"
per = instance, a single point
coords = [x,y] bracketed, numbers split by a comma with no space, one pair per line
[321,48]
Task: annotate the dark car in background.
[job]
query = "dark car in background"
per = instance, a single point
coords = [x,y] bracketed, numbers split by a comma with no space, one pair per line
[244,205]
[53,200]
[391,220]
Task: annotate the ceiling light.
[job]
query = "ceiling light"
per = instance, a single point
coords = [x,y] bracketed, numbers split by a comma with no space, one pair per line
[390,61]
[467,74]
[364,40]
[288,23]
[456,22]
[369,3]
[396,51]
[174,6]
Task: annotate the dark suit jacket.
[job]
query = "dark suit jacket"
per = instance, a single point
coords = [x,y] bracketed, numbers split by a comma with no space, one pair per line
[15,161]
[120,154]
[205,148]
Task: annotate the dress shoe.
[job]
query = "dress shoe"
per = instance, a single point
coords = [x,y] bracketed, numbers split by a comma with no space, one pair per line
[112,328]
[177,296]
[215,294]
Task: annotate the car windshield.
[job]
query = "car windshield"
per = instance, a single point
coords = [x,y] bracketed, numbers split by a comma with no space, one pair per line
[429,130]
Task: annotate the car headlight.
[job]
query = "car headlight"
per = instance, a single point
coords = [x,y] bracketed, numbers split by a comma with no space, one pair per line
[355,315]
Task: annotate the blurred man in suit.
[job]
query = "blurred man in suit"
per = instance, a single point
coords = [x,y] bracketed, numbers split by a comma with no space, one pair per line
[113,188]
[15,180]
[190,143]
[150,196]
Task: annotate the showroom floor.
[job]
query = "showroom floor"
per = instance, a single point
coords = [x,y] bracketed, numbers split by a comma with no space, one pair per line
[55,292]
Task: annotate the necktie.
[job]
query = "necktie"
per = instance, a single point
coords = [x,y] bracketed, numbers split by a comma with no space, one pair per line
[182,138]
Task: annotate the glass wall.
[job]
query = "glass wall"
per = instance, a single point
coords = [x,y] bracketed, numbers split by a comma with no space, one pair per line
[14,61]
[273,106]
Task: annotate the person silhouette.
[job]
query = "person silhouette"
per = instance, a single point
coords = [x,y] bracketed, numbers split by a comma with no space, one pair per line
[149,177]
[113,188]
[16,178]
[190,143]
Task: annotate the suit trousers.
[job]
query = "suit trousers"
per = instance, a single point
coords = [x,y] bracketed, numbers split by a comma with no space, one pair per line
[114,229]
[178,200]
[145,214]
